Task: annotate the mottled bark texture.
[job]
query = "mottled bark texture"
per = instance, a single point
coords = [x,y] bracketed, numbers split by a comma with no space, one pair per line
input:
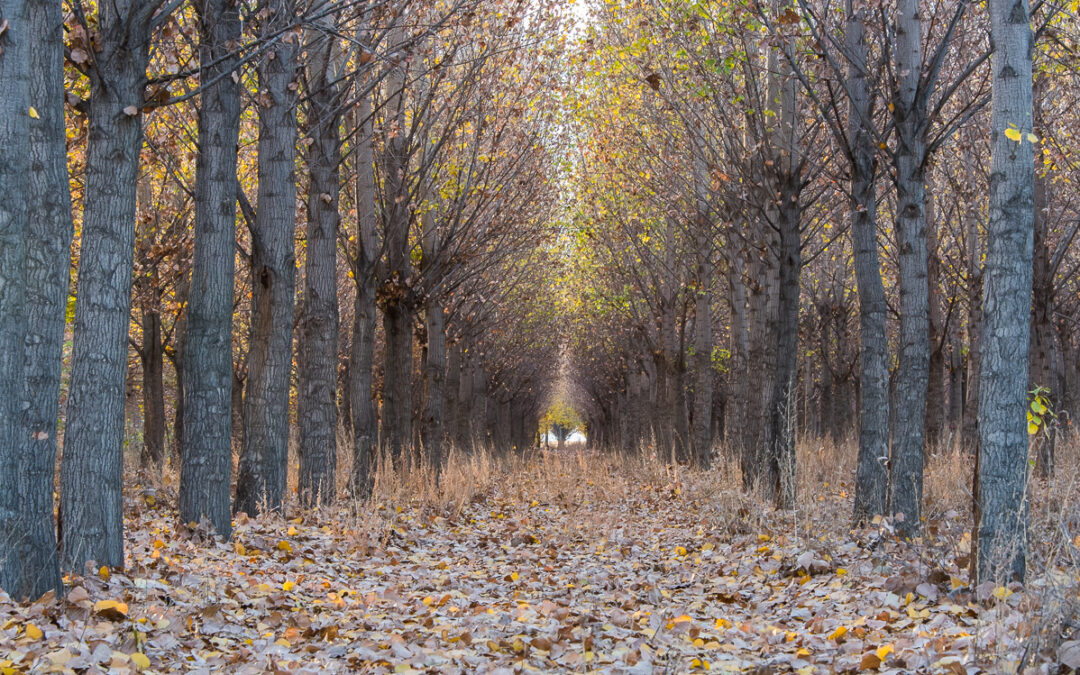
[91,514]
[262,471]
[15,45]
[48,274]
[871,477]
[396,294]
[365,423]
[318,327]
[208,366]
[1001,510]
[906,462]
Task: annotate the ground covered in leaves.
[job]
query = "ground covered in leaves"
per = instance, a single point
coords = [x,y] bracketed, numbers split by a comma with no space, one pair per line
[568,565]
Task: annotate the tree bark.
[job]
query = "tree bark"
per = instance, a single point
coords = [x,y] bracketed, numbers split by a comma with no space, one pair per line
[1043,343]
[871,478]
[15,167]
[206,462]
[153,391]
[780,462]
[396,291]
[906,463]
[262,472]
[1001,510]
[365,423]
[91,504]
[48,273]
[317,358]
[434,385]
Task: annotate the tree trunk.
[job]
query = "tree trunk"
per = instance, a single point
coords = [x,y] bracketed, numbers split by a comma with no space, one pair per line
[153,367]
[935,391]
[434,381]
[91,476]
[48,271]
[703,370]
[396,291]
[14,193]
[317,358]
[871,478]
[780,463]
[365,423]
[262,472]
[906,463]
[1001,484]
[1042,352]
[208,365]
[738,377]
[970,426]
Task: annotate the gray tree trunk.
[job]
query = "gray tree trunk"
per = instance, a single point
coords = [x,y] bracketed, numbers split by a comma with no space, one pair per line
[738,377]
[970,425]
[91,504]
[317,344]
[935,390]
[434,384]
[15,117]
[48,273]
[1042,355]
[365,423]
[1001,482]
[153,390]
[703,338]
[780,462]
[906,463]
[262,472]
[871,478]
[396,291]
[206,462]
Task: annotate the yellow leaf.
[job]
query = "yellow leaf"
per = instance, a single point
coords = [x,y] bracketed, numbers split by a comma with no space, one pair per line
[34,113]
[1001,592]
[680,551]
[284,546]
[1032,138]
[883,651]
[514,576]
[288,586]
[140,660]
[103,572]
[840,571]
[291,531]
[282,642]
[111,609]
[838,633]
[723,623]
[33,632]
[1013,134]
[1033,428]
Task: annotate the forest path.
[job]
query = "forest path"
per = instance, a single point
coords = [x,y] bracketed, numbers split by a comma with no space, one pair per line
[583,568]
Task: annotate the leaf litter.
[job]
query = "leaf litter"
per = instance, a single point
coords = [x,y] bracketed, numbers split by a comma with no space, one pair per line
[576,574]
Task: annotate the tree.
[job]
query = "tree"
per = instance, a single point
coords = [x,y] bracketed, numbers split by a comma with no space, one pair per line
[48,272]
[262,472]
[318,326]
[15,115]
[91,524]
[1001,509]
[206,460]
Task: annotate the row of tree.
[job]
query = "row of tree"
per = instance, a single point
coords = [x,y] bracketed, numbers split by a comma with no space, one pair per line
[399,154]
[801,217]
